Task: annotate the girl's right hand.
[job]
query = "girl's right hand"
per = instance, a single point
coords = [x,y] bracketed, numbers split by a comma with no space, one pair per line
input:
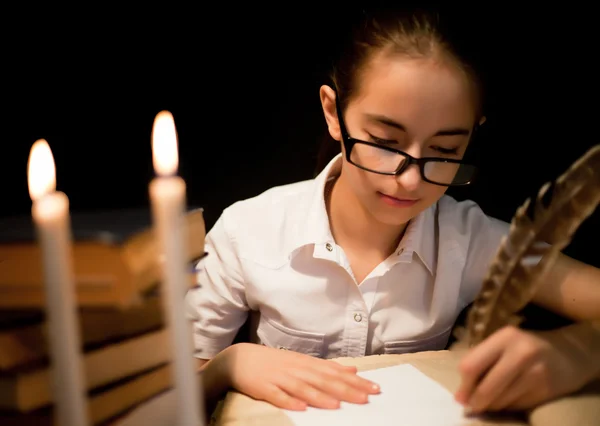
[292,380]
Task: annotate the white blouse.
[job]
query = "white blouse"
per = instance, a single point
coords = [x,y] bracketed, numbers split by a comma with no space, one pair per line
[274,254]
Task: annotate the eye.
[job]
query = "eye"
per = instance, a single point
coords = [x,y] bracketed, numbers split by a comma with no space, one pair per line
[446,151]
[382,141]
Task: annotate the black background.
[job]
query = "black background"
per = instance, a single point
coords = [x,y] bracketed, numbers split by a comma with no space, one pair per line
[242,83]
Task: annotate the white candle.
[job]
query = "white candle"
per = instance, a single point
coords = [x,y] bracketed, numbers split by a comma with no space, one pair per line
[168,199]
[50,211]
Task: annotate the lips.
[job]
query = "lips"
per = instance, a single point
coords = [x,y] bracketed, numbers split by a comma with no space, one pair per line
[397,202]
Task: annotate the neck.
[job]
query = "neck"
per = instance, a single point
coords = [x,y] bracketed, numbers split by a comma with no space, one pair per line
[354,227]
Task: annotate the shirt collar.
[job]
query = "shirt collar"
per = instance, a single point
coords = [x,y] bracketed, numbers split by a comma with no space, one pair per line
[314,226]
[419,237]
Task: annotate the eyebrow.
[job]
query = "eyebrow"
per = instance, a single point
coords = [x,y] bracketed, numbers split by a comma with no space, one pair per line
[453,131]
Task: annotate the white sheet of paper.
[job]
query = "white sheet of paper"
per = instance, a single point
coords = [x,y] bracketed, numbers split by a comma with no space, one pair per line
[408,397]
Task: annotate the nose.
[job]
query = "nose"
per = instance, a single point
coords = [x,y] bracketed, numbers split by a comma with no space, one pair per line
[410,178]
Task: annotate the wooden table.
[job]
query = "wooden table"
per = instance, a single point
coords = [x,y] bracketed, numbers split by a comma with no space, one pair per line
[580,409]
[577,410]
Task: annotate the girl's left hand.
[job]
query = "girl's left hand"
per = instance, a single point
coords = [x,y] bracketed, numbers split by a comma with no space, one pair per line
[514,370]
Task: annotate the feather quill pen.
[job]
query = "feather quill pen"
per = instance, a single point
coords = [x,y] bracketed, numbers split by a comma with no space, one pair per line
[538,232]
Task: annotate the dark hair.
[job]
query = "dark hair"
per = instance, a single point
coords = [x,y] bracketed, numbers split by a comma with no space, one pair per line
[415,33]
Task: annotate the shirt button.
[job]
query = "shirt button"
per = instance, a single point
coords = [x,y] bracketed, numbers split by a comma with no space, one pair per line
[329,247]
[357,317]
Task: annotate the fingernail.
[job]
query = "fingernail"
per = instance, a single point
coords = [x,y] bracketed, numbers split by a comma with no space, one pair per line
[467,410]
[375,387]
[300,406]
[472,406]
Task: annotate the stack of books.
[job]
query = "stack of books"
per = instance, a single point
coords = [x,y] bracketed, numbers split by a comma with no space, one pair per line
[125,345]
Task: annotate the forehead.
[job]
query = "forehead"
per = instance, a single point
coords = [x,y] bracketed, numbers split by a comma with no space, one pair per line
[419,93]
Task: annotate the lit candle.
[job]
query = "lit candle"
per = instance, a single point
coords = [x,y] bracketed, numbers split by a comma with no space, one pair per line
[168,199]
[50,211]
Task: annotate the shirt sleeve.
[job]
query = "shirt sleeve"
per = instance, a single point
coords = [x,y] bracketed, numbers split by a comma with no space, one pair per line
[218,307]
[485,235]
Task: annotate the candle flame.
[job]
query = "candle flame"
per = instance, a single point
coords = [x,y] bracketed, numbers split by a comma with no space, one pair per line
[164,144]
[41,171]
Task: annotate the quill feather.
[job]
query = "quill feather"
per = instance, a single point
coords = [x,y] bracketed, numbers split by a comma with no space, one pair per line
[528,251]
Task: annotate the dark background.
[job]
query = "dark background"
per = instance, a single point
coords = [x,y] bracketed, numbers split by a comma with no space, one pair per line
[242,83]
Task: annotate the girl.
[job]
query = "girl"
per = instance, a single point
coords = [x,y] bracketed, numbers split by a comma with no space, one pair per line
[371,257]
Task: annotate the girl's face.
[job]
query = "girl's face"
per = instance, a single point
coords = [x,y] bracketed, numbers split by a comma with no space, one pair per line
[422,107]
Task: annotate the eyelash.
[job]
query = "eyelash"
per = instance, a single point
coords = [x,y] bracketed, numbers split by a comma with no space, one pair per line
[382,141]
[445,151]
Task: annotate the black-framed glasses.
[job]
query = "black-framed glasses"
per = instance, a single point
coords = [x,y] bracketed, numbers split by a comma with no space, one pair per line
[385,160]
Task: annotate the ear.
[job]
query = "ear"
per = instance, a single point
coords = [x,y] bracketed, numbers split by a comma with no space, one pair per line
[328,95]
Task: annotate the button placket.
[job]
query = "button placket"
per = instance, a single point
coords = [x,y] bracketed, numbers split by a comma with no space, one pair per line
[356,326]
[360,333]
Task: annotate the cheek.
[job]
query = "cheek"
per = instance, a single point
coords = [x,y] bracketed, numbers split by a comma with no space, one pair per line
[431,193]
[363,183]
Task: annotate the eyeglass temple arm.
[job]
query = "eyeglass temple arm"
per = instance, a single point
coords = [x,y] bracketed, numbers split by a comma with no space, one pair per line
[340,116]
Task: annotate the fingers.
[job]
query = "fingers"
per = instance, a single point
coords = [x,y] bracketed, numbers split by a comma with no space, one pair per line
[480,359]
[528,390]
[509,399]
[499,379]
[301,381]
[361,384]
[324,384]
[281,399]
[501,371]
[303,390]
[349,376]
[347,373]
[349,368]
[336,386]
[333,366]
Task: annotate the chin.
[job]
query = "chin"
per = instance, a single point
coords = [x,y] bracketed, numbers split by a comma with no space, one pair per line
[396,217]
